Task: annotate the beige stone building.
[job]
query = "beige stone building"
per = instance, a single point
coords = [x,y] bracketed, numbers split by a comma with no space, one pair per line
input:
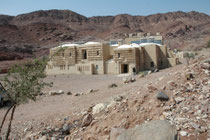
[85,58]
[101,58]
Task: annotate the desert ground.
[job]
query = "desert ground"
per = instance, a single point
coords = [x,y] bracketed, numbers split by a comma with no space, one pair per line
[54,106]
[48,110]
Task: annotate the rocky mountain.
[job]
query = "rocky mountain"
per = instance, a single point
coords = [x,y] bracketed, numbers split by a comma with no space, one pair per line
[32,34]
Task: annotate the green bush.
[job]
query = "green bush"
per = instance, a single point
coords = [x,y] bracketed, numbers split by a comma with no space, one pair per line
[23,83]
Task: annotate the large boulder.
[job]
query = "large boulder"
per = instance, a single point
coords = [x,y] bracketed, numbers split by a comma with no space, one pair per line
[155,130]
[115,132]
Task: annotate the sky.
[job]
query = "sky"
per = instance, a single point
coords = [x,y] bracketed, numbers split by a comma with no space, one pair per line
[91,8]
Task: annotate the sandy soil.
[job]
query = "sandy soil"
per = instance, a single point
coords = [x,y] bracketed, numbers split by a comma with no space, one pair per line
[61,105]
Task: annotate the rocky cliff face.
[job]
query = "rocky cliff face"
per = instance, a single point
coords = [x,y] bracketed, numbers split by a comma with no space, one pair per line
[30,35]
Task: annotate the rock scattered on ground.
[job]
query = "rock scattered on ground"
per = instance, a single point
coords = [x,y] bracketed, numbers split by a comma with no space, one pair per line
[162,96]
[185,113]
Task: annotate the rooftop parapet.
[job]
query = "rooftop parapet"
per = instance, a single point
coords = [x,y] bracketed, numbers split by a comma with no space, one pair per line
[131,46]
[77,45]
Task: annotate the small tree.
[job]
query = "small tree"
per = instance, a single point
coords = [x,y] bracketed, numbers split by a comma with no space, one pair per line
[23,83]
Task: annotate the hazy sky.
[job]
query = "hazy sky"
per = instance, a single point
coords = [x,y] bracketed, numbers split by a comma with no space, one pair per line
[105,7]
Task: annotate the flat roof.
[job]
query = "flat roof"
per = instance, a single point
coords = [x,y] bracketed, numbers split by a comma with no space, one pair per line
[78,45]
[131,46]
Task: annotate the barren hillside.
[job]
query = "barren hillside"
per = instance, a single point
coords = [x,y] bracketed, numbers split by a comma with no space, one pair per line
[31,34]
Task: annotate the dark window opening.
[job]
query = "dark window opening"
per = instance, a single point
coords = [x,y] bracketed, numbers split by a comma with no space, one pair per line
[97,52]
[63,54]
[152,64]
[69,54]
[84,54]
[118,55]
[96,66]
[124,68]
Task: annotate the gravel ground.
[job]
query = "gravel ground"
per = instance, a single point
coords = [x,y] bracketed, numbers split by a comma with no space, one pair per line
[61,105]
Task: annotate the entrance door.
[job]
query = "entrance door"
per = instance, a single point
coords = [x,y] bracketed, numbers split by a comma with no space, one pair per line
[124,68]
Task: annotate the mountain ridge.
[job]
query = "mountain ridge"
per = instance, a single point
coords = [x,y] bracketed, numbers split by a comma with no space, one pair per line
[31,34]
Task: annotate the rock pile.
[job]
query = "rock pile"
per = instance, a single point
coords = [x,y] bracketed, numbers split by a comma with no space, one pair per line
[189,110]
[60,92]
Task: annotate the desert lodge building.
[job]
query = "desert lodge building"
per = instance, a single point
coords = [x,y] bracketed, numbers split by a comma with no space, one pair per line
[116,57]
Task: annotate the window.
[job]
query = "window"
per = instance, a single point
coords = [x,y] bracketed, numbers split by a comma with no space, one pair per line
[136,42]
[161,63]
[63,54]
[152,64]
[113,42]
[118,55]
[70,54]
[151,40]
[84,54]
[50,66]
[158,41]
[97,52]
[143,41]
[97,67]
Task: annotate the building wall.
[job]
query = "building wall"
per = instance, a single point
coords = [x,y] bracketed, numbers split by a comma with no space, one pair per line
[71,59]
[57,56]
[172,62]
[98,67]
[70,56]
[106,52]
[103,59]
[111,50]
[79,50]
[151,55]
[144,39]
[130,39]
[111,67]
[142,59]
[163,61]
[138,60]
[127,56]
[86,68]
[92,53]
